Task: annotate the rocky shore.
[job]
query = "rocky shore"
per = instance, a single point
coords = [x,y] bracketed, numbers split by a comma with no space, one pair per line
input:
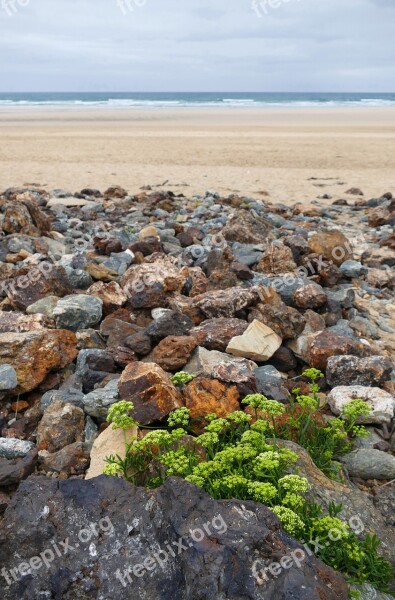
[104,296]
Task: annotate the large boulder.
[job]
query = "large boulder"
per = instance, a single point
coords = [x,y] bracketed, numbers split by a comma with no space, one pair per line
[36,353]
[149,387]
[172,543]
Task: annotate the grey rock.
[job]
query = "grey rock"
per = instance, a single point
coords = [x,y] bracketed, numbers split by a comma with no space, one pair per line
[97,403]
[78,312]
[90,431]
[353,268]
[14,448]
[368,463]
[45,306]
[267,375]
[78,278]
[71,396]
[8,378]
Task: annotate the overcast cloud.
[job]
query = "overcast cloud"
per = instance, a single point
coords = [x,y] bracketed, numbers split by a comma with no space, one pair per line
[197,45]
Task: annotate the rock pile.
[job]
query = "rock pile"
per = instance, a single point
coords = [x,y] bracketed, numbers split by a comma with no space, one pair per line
[104,296]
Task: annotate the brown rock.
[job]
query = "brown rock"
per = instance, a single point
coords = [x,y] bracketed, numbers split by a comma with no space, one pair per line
[378,216]
[221,366]
[327,344]
[284,320]
[115,191]
[111,294]
[173,353]
[62,424]
[117,331]
[139,342]
[277,259]
[149,387]
[187,307]
[197,282]
[26,218]
[100,272]
[226,303]
[34,354]
[204,396]
[310,296]
[215,334]
[70,460]
[148,285]
[331,245]
[245,228]
[21,323]
[13,471]
[35,282]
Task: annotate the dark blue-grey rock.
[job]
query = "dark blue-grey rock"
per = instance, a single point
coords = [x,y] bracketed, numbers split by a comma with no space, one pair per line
[353,268]
[172,543]
[78,312]
[368,463]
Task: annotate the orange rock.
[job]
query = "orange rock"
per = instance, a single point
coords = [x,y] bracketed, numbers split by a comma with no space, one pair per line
[19,406]
[173,352]
[204,396]
[34,354]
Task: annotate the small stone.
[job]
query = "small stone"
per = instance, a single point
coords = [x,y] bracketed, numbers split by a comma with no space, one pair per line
[139,342]
[226,303]
[215,334]
[277,259]
[258,342]
[381,403]
[70,460]
[169,324]
[353,268]
[45,306]
[8,378]
[221,366]
[369,464]
[111,294]
[267,375]
[14,448]
[310,296]
[149,231]
[327,344]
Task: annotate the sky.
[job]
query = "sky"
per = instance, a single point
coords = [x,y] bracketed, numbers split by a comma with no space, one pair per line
[197,45]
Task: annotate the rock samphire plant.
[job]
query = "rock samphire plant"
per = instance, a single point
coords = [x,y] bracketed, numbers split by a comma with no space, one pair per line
[239,457]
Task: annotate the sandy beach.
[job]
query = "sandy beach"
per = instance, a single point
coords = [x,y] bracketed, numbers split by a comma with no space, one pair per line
[283,154]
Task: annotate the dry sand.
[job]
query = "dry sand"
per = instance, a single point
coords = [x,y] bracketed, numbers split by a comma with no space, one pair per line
[290,154]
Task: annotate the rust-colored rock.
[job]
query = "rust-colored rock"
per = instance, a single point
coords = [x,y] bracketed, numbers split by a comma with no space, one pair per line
[173,352]
[246,228]
[149,387]
[34,354]
[327,344]
[204,396]
[226,303]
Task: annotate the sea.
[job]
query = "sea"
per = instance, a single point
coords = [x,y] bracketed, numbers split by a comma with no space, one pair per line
[195,99]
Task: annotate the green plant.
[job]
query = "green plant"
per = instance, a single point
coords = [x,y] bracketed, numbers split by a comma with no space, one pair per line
[181,378]
[232,458]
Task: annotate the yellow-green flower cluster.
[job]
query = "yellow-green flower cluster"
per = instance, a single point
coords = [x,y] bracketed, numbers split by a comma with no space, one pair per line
[196,480]
[331,527]
[354,409]
[260,426]
[239,417]
[293,501]
[291,522]
[208,439]
[236,454]
[217,426]
[230,483]
[313,374]
[112,469]
[176,461]
[182,378]
[307,402]
[179,417]
[261,492]
[294,484]
[159,437]
[260,402]
[118,415]
[266,461]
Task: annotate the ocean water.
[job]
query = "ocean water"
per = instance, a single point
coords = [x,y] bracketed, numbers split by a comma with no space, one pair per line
[198,99]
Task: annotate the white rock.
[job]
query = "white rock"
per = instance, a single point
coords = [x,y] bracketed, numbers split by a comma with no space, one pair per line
[110,441]
[14,448]
[381,402]
[258,342]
